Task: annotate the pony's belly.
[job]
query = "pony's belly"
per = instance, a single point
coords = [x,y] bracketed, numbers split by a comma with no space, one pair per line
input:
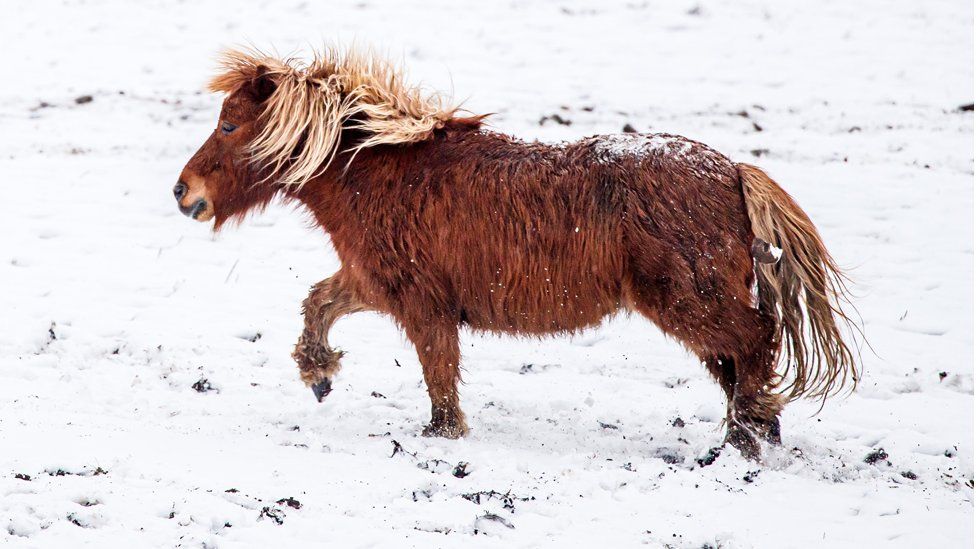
[540,314]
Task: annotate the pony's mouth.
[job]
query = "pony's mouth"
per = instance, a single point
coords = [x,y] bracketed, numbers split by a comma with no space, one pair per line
[200,210]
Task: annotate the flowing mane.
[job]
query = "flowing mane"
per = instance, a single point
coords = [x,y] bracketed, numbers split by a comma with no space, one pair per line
[312,103]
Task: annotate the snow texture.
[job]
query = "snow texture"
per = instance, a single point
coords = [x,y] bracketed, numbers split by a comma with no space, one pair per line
[147,397]
[640,146]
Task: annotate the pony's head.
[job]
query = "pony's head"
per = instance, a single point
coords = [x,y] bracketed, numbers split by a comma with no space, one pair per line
[220,180]
[283,122]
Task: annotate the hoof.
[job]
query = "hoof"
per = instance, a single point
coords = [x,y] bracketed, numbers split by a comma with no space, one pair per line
[745,442]
[322,389]
[445,430]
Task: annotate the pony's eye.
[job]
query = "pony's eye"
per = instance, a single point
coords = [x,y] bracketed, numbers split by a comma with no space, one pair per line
[227,127]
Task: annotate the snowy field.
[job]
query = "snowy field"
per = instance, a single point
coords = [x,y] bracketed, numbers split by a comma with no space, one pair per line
[147,396]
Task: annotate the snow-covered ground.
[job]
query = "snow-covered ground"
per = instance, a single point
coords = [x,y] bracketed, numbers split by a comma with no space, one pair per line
[147,397]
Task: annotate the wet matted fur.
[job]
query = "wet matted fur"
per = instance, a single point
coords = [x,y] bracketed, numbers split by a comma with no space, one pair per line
[443,224]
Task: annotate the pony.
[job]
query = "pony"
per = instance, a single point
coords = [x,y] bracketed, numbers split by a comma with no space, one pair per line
[441,224]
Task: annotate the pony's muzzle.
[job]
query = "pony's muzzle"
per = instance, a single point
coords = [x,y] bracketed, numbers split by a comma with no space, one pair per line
[194,210]
[193,203]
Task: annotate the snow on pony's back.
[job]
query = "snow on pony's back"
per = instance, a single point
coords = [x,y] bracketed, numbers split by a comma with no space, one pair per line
[614,148]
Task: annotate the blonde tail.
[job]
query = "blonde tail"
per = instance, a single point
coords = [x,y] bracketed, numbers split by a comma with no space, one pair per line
[803,291]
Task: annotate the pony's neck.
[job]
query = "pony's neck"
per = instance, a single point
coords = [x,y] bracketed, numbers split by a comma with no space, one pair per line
[325,199]
[339,205]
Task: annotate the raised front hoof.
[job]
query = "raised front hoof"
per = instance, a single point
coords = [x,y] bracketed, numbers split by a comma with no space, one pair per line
[446,429]
[321,389]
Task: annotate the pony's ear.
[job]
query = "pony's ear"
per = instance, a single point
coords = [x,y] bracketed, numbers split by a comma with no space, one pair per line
[249,72]
[261,85]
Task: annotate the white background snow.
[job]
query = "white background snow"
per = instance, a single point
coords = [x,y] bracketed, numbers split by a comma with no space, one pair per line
[113,305]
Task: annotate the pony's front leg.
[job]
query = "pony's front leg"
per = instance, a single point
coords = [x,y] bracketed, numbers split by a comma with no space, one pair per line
[440,355]
[317,361]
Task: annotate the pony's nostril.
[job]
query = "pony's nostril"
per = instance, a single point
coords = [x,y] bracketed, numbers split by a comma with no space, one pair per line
[179,191]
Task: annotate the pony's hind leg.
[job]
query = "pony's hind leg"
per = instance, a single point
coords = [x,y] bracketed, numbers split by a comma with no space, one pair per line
[723,369]
[439,351]
[746,346]
[317,361]
[734,340]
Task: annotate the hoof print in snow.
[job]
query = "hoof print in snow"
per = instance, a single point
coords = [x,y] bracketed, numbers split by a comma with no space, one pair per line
[536,368]
[87,502]
[555,117]
[203,386]
[399,449]
[82,99]
[434,465]
[675,382]
[508,499]
[909,475]
[461,469]
[629,129]
[22,476]
[274,514]
[290,502]
[678,422]
[876,456]
[484,520]
[750,476]
[253,338]
[968,107]
[374,394]
[709,457]
[85,472]
[609,426]
[433,529]
[669,456]
[81,521]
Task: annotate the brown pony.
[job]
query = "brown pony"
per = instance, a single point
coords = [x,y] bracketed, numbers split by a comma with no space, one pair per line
[440,224]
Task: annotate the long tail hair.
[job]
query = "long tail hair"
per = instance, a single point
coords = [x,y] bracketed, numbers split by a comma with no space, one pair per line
[803,291]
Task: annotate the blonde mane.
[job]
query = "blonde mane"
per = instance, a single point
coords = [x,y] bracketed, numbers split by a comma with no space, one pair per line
[312,103]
